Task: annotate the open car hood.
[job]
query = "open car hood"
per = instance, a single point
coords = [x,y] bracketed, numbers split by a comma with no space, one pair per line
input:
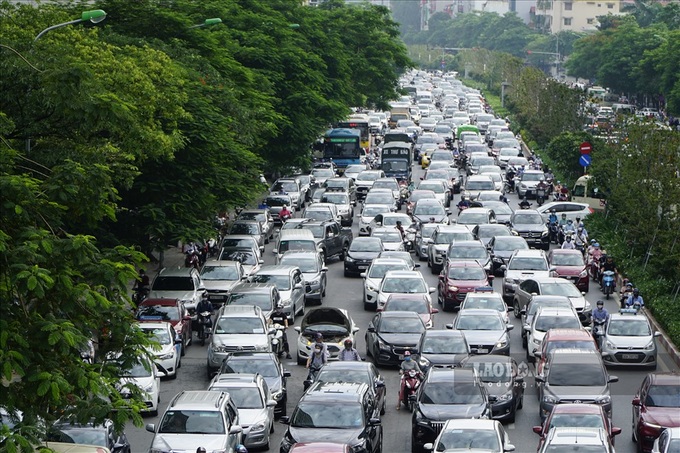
[325,316]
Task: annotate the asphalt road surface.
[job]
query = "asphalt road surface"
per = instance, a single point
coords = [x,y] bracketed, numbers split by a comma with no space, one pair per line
[347,293]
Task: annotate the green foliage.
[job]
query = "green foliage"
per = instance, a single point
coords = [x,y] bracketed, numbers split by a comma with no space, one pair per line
[563,154]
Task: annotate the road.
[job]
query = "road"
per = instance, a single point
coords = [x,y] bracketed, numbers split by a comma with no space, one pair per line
[347,293]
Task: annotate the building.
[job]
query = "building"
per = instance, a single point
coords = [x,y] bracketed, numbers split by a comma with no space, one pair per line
[573,15]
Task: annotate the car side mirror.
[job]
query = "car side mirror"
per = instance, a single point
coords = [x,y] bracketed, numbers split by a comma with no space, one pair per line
[428,446]
[510,327]
[187,318]
[636,401]
[616,431]
[657,334]
[374,422]
[324,269]
[260,261]
[150,427]
[503,268]
[538,430]
[286,373]
[355,330]
[613,379]
[362,275]
[371,329]
[271,403]
[298,286]
[162,369]
[432,289]
[297,329]
[434,311]
[235,429]
[449,326]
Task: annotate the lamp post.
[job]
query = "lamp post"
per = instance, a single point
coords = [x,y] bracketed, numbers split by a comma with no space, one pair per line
[95,16]
[207,22]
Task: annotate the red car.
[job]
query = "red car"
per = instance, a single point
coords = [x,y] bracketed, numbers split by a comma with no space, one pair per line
[457,279]
[419,303]
[656,406]
[564,338]
[576,416]
[170,310]
[569,264]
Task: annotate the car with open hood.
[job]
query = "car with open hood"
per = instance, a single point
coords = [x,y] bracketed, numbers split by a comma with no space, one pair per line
[336,326]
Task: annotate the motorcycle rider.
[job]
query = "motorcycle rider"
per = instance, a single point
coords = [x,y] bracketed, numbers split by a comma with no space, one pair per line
[510,178]
[407,365]
[279,317]
[315,361]
[635,299]
[524,204]
[552,225]
[568,244]
[142,286]
[349,353]
[552,218]
[401,230]
[203,306]
[285,213]
[463,204]
[600,317]
[541,190]
[608,265]
[581,239]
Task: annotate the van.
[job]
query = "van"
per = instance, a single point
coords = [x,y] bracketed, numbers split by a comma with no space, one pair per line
[297,239]
[423,96]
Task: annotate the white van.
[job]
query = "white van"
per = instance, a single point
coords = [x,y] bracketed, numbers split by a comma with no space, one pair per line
[294,239]
[423,96]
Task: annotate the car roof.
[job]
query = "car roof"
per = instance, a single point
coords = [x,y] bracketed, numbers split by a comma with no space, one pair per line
[451,375]
[668,378]
[477,210]
[276,269]
[474,243]
[387,261]
[414,297]
[348,365]
[452,228]
[221,263]
[577,408]
[565,252]
[154,325]
[242,379]
[466,423]
[249,355]
[197,400]
[404,274]
[399,314]
[444,333]
[240,310]
[568,334]
[529,253]
[466,263]
[335,392]
[574,355]
[478,312]
[572,436]
[554,311]
[247,287]
[179,271]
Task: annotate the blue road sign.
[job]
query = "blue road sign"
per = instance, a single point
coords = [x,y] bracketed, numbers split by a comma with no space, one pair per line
[585,160]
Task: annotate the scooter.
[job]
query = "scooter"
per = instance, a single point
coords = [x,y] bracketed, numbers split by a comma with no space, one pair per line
[277,340]
[540,196]
[204,326]
[598,332]
[311,377]
[412,380]
[608,283]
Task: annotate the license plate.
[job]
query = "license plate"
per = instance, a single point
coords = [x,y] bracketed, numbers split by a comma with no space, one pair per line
[629,356]
[362,267]
[482,351]
[217,297]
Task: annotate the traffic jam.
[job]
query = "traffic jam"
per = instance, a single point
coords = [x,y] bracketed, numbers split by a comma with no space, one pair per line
[428,285]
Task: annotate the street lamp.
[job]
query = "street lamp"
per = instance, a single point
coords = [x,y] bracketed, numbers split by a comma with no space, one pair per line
[207,22]
[95,16]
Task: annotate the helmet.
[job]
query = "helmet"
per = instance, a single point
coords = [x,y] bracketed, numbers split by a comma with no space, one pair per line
[552,210]
[348,342]
[398,222]
[592,241]
[200,450]
[597,244]
[600,303]
[240,448]
[407,353]
[285,205]
[578,219]
[279,305]
[568,238]
[580,229]
[570,221]
[636,292]
[318,336]
[564,215]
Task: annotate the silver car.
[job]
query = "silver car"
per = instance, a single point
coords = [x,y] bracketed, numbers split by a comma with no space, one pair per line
[373,278]
[290,283]
[629,341]
[219,277]
[313,271]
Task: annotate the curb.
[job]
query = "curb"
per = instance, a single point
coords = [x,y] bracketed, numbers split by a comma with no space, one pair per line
[673,351]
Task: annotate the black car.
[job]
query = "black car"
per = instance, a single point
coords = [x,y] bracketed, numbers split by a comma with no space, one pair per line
[501,249]
[446,394]
[391,333]
[356,373]
[361,252]
[327,411]
[504,386]
[268,366]
[442,349]
[103,435]
[529,224]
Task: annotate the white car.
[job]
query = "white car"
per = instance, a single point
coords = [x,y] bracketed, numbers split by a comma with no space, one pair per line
[367,215]
[168,354]
[547,318]
[144,375]
[390,236]
[373,278]
[572,209]
[402,282]
[486,298]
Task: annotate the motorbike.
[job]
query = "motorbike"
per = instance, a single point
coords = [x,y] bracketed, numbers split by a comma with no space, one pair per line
[139,294]
[285,217]
[311,377]
[192,260]
[553,232]
[608,283]
[277,340]
[594,268]
[204,326]
[412,380]
[524,205]
[540,196]
[598,332]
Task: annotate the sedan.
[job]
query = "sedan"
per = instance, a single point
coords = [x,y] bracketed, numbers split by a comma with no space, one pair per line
[569,264]
[359,373]
[485,232]
[168,352]
[571,415]
[219,277]
[572,209]
[390,236]
[313,271]
[373,279]
[249,227]
[103,435]
[501,249]
[419,303]
[485,331]
[402,282]
[486,298]
[442,349]
[425,211]
[656,406]
[168,310]
[390,334]
[361,252]
[464,435]
[457,279]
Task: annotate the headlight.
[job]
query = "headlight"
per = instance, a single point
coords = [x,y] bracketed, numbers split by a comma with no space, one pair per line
[651,425]
[277,396]
[583,273]
[453,288]
[523,186]
[505,397]
[501,344]
[286,303]
[349,259]
[441,252]
[423,362]
[359,447]
[259,426]
[148,388]
[219,348]
[609,345]
[650,345]
[550,399]
[536,341]
[545,233]
[587,306]
[167,356]
[262,348]
[603,399]
[372,289]
[314,282]
[383,345]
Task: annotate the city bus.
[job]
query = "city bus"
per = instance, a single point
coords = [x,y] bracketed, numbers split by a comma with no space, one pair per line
[343,146]
[360,123]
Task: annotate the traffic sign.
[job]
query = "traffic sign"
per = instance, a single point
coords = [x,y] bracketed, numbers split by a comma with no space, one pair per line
[586,148]
[585,160]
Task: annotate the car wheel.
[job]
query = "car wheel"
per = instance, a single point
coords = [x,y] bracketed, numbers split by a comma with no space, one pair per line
[515,309]
[271,429]
[183,348]
[343,254]
[383,408]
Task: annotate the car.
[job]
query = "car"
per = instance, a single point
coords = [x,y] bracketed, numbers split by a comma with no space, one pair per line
[240,241]
[457,279]
[527,313]
[629,340]
[501,209]
[172,311]
[485,232]
[314,272]
[320,447]
[501,249]
[307,184]
[522,264]
[389,184]
[250,259]
[390,237]
[264,217]
[322,211]
[440,189]
[101,435]
[263,295]
[423,232]
[275,202]
[473,251]
[392,333]
[668,441]
[656,406]
[529,224]
[425,210]
[321,174]
[472,217]
[249,227]
[485,331]
[343,203]
[504,154]
[356,372]
[483,435]
[168,352]
[342,185]
[352,171]
[336,326]
[569,264]
[526,184]
[197,417]
[381,196]
[442,238]
[576,416]
[364,181]
[290,187]
[390,219]
[219,277]
[419,303]
[587,439]
[368,213]
[344,411]
[255,404]
[400,255]
[572,209]
[373,279]
[416,195]
[361,252]
[446,394]
[477,183]
[486,298]
[139,375]
[473,167]
[574,375]
[564,338]
[545,319]
[442,349]
[267,365]
[290,283]
[552,286]
[183,283]
[237,328]
[402,282]
[504,384]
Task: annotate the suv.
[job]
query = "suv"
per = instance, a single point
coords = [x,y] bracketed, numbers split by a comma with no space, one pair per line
[529,224]
[264,217]
[290,283]
[528,182]
[629,340]
[574,376]
[183,283]
[237,328]
[313,271]
[264,296]
[446,394]
[342,185]
[485,330]
[198,418]
[343,203]
[291,187]
[347,411]
[365,180]
[523,264]
[220,277]
[255,404]
[588,439]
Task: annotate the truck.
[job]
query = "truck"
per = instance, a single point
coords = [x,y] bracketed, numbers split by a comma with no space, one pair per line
[396,159]
[399,111]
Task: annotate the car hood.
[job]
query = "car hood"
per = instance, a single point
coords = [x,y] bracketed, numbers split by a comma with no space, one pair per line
[442,412]
[180,443]
[441,247]
[568,270]
[496,388]
[662,416]
[405,339]
[140,382]
[274,383]
[393,246]
[344,436]
[325,315]
[578,302]
[249,269]
[219,285]
[363,255]
[629,342]
[248,417]
[311,276]
[181,295]
[483,336]
[444,359]
[467,283]
[503,254]
[256,339]
[577,393]
[526,227]
[425,218]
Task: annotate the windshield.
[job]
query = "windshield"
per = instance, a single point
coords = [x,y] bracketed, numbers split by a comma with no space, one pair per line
[468,439]
[138,370]
[242,256]
[192,422]
[282,282]
[245,228]
[422,195]
[392,185]
[306,265]
[472,253]
[379,198]
[335,198]
[241,242]
[264,301]
[368,176]
[159,312]
[472,218]
[372,211]
[78,435]
[322,173]
[443,345]
[663,396]
[436,187]
[277,201]
[491,230]
[511,152]
[355,169]
[567,259]
[545,323]
[575,448]
[403,285]
[235,325]
[319,214]
[527,219]
[418,306]
[261,367]
[467,273]
[446,393]
[445,237]
[488,303]
[577,421]
[393,219]
[437,174]
[388,236]
[575,344]
[173,284]
[336,183]
[534,306]
[628,328]
[480,185]
[297,244]
[220,273]
[499,208]
[160,335]
[374,245]
[533,177]
[495,372]
[565,288]
[582,375]
[401,325]
[528,264]
[479,323]
[245,397]
[318,415]
[379,270]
